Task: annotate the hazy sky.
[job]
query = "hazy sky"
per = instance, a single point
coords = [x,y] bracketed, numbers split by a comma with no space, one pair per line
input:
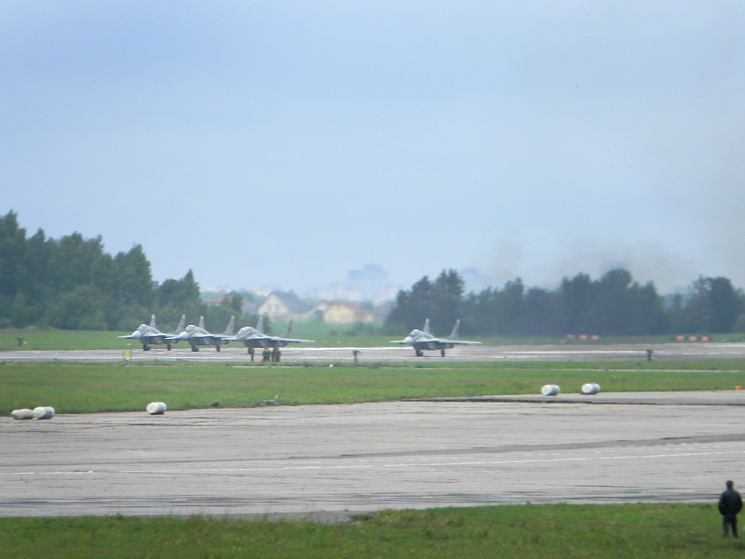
[286,143]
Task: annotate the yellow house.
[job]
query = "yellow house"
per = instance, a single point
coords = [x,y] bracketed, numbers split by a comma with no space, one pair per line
[343,312]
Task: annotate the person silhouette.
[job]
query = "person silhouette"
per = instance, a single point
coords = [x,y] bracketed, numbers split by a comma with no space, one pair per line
[730,503]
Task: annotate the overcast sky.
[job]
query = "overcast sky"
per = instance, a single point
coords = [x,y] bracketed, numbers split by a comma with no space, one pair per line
[286,143]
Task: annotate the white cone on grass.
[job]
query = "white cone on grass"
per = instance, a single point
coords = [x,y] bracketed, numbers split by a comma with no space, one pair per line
[43,412]
[590,388]
[24,413]
[156,408]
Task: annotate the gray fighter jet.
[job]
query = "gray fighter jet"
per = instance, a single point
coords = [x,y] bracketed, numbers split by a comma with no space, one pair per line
[423,339]
[253,338]
[149,334]
[199,336]
[180,328]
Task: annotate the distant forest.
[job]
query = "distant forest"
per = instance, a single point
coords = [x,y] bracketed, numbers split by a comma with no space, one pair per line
[614,305]
[71,283]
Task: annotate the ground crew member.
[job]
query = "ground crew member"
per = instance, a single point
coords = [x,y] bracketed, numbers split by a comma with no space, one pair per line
[730,503]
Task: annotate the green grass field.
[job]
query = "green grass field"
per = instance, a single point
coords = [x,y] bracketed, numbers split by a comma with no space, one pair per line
[528,531]
[125,386]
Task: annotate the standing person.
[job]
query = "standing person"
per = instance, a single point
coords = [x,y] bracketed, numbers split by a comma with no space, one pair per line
[730,504]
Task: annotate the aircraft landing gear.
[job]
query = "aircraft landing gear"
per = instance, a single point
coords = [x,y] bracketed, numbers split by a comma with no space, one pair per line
[442,353]
[252,353]
[168,346]
[419,353]
[145,347]
[217,345]
[194,347]
[276,355]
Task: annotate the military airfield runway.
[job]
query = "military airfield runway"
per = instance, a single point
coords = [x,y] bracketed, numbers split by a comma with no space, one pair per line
[481,353]
[366,457]
[334,461]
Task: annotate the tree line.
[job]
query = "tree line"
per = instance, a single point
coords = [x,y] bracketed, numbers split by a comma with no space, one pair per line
[614,305]
[72,283]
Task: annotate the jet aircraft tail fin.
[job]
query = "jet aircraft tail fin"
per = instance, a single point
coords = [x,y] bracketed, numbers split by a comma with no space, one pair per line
[260,325]
[229,328]
[201,322]
[456,330]
[181,324]
[288,331]
[152,321]
[426,327]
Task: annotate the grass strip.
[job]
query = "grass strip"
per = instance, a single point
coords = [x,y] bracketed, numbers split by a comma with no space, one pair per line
[521,531]
[102,387]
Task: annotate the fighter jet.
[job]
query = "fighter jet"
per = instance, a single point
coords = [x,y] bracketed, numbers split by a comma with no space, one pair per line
[199,336]
[423,339]
[172,337]
[149,334]
[180,328]
[255,337]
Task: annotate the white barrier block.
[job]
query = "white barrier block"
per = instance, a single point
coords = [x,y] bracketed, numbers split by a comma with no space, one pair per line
[43,412]
[550,390]
[156,408]
[590,388]
[25,413]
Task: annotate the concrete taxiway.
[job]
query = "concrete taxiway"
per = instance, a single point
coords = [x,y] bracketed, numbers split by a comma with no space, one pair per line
[367,457]
[569,352]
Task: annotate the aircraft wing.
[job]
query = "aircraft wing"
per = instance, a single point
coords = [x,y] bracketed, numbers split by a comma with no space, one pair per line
[262,338]
[155,338]
[240,338]
[459,342]
[290,340]
[203,336]
[217,338]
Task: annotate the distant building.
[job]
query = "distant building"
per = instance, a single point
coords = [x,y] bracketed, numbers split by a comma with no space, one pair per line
[333,292]
[341,312]
[216,299]
[370,282]
[282,306]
